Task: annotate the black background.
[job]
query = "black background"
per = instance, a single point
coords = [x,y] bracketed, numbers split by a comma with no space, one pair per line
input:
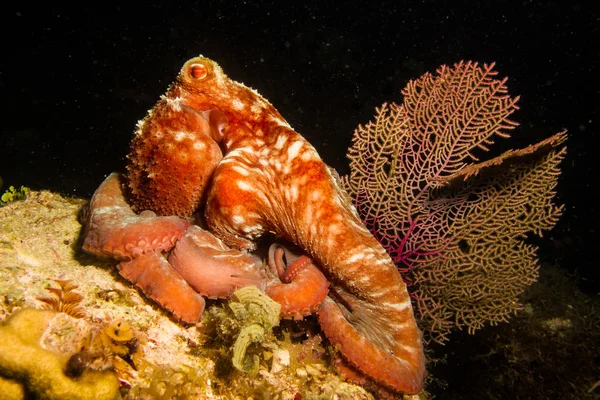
[74,81]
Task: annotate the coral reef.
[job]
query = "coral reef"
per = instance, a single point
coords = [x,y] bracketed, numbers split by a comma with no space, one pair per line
[164,359]
[40,371]
[270,179]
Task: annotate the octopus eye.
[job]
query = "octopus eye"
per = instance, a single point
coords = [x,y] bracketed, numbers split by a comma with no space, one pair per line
[198,71]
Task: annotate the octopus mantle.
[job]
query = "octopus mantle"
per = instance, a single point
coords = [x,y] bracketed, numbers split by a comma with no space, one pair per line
[215,147]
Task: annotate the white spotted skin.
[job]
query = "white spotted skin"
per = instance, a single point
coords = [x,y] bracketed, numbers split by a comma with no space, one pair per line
[272,180]
[288,190]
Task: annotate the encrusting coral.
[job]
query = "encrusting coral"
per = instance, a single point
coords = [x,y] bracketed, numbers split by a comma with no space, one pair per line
[40,371]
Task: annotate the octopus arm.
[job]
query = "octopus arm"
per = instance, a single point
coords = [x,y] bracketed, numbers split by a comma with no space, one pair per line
[382,365]
[158,280]
[112,229]
[300,287]
[210,267]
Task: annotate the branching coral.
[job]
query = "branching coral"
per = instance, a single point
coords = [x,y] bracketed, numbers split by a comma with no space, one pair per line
[453,225]
[40,371]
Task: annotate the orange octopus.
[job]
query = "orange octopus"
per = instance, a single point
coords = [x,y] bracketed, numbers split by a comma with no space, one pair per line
[215,148]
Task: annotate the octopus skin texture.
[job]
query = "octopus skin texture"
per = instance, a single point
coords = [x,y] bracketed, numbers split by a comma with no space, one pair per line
[214,146]
[198,265]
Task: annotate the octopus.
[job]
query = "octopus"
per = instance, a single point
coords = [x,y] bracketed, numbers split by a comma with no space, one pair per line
[212,169]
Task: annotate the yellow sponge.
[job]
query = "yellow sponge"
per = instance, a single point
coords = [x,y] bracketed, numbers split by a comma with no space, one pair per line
[40,371]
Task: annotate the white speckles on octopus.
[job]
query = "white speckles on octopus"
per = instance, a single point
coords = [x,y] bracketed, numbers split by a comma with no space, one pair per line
[384,292]
[252,229]
[309,211]
[355,257]
[179,136]
[257,110]
[238,219]
[240,170]
[381,261]
[157,135]
[316,195]
[281,140]
[277,165]
[265,152]
[337,217]
[219,79]
[287,169]
[308,156]
[292,193]
[294,149]
[244,186]
[405,362]
[280,122]
[199,145]
[334,229]
[175,103]
[398,306]
[237,104]
[408,349]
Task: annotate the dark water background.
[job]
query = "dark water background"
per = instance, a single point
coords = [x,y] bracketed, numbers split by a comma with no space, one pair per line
[74,81]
